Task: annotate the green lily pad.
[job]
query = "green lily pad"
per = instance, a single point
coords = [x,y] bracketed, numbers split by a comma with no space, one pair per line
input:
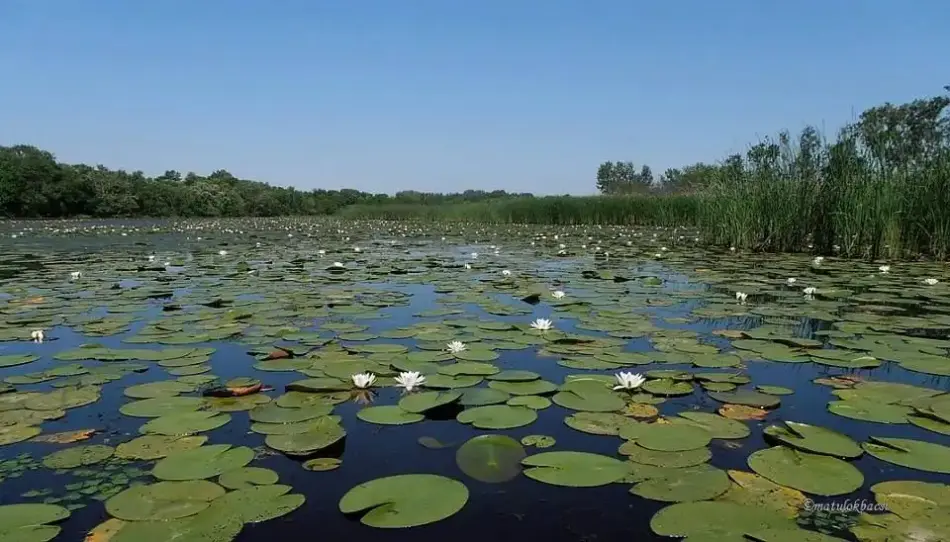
[320,464]
[247,477]
[206,526]
[185,423]
[78,456]
[747,398]
[534,402]
[428,400]
[12,360]
[497,416]
[672,437]
[538,441]
[407,500]
[914,454]
[678,486]
[717,426]
[388,415]
[163,500]
[574,469]
[812,473]
[598,423]
[307,443]
[29,522]
[645,456]
[490,458]
[202,463]
[161,406]
[815,439]
[869,411]
[272,413]
[150,447]
[258,503]
[483,396]
[715,520]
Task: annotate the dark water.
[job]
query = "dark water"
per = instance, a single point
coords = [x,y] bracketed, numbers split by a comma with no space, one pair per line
[521,509]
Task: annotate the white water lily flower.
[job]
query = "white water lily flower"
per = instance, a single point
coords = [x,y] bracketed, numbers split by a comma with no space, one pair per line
[337,264]
[506,272]
[468,266]
[558,294]
[628,381]
[357,249]
[151,257]
[811,290]
[884,269]
[37,335]
[741,297]
[474,255]
[363,380]
[455,347]
[75,275]
[222,252]
[791,280]
[818,260]
[542,324]
[931,282]
[410,380]
[321,252]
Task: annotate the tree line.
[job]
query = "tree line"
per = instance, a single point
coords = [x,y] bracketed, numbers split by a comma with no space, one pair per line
[887,138]
[33,184]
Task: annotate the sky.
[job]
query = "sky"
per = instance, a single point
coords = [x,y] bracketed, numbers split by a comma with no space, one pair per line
[448,95]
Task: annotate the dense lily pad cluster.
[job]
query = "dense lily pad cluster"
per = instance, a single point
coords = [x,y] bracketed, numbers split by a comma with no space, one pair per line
[247,345]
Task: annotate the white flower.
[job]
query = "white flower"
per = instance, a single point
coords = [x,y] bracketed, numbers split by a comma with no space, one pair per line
[791,280]
[410,380]
[931,282]
[884,269]
[741,297]
[558,294]
[506,272]
[151,257]
[363,380]
[75,275]
[455,347]
[474,255]
[337,264]
[628,381]
[357,249]
[818,260]
[811,290]
[321,252]
[542,324]
[222,252]
[37,335]
[468,266]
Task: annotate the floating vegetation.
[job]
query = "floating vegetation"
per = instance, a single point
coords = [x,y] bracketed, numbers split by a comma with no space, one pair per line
[187,400]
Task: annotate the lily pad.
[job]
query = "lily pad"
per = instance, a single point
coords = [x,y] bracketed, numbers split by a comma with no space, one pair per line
[812,473]
[680,486]
[574,469]
[497,416]
[150,447]
[202,463]
[428,400]
[490,458]
[914,454]
[407,500]
[388,415]
[163,500]
[672,437]
[815,439]
[78,456]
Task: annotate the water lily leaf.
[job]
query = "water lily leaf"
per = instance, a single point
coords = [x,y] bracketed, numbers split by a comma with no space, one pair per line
[388,415]
[751,489]
[162,406]
[272,413]
[531,387]
[323,436]
[715,519]
[490,458]
[911,499]
[497,416]
[407,500]
[815,439]
[428,400]
[163,500]
[598,423]
[202,463]
[666,387]
[717,426]
[162,388]
[12,360]
[645,456]
[747,398]
[257,503]
[588,395]
[534,402]
[29,522]
[812,473]
[869,411]
[914,454]
[479,355]
[319,464]
[483,396]
[293,428]
[775,390]
[247,477]
[538,441]
[513,375]
[78,456]
[185,423]
[11,434]
[671,437]
[206,526]
[680,486]
[742,412]
[574,469]
[62,399]
[151,447]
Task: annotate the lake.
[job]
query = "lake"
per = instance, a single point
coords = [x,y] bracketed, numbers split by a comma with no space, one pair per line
[194,380]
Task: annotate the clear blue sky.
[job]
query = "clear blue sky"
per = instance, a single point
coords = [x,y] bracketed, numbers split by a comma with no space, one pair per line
[439,95]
